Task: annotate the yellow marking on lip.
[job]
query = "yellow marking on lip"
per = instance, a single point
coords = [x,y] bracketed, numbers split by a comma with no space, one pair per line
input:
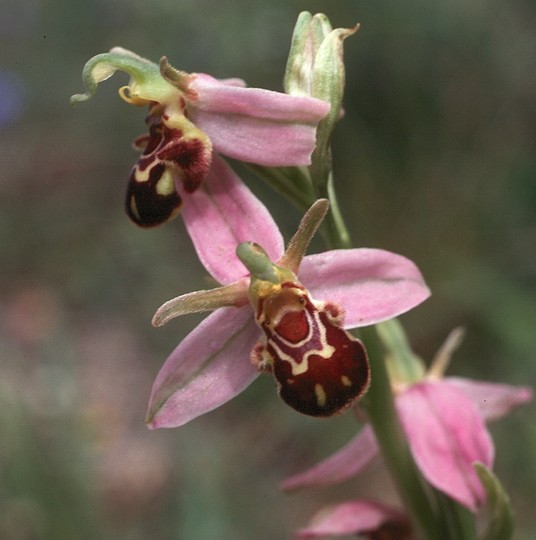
[165,185]
[143,176]
[346,381]
[134,207]
[320,394]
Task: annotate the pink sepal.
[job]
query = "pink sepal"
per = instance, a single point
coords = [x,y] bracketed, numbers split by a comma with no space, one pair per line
[222,214]
[349,461]
[352,517]
[446,434]
[206,370]
[256,125]
[494,400]
[371,285]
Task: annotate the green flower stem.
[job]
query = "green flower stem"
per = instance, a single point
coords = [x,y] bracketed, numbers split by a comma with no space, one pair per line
[458,520]
[379,404]
[334,229]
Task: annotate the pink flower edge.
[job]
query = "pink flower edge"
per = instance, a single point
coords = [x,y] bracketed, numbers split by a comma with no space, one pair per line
[256,125]
[347,462]
[447,435]
[351,517]
[222,214]
[207,369]
[371,285]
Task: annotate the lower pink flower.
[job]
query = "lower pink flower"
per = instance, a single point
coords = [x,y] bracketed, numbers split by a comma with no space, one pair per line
[444,421]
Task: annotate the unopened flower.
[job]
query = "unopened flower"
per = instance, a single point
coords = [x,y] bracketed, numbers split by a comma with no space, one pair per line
[190,115]
[301,306]
[315,67]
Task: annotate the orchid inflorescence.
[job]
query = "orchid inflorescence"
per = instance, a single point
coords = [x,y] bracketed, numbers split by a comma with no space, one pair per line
[288,314]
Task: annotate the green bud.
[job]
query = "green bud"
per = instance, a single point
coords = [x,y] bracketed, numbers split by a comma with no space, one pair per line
[315,68]
[315,65]
[329,78]
[308,35]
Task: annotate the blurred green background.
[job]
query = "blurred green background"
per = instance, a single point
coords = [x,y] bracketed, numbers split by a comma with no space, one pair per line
[435,159]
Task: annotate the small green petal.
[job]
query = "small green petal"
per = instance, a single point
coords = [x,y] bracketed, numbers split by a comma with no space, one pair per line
[441,360]
[176,77]
[297,246]
[146,81]
[255,259]
[234,294]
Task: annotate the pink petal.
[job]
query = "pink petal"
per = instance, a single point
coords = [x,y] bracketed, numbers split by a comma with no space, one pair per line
[229,96]
[446,434]
[371,285]
[493,400]
[256,125]
[349,461]
[209,367]
[222,214]
[227,82]
[352,517]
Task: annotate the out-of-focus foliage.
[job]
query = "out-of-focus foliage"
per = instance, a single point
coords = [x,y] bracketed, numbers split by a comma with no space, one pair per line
[435,159]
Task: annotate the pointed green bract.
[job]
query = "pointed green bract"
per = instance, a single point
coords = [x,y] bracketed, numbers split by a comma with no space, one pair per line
[403,365]
[501,525]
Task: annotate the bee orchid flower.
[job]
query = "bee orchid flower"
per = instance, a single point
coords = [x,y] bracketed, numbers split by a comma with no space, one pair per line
[286,317]
[191,116]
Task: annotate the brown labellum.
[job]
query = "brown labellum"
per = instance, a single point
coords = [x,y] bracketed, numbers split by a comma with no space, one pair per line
[167,156]
[320,368]
[147,203]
